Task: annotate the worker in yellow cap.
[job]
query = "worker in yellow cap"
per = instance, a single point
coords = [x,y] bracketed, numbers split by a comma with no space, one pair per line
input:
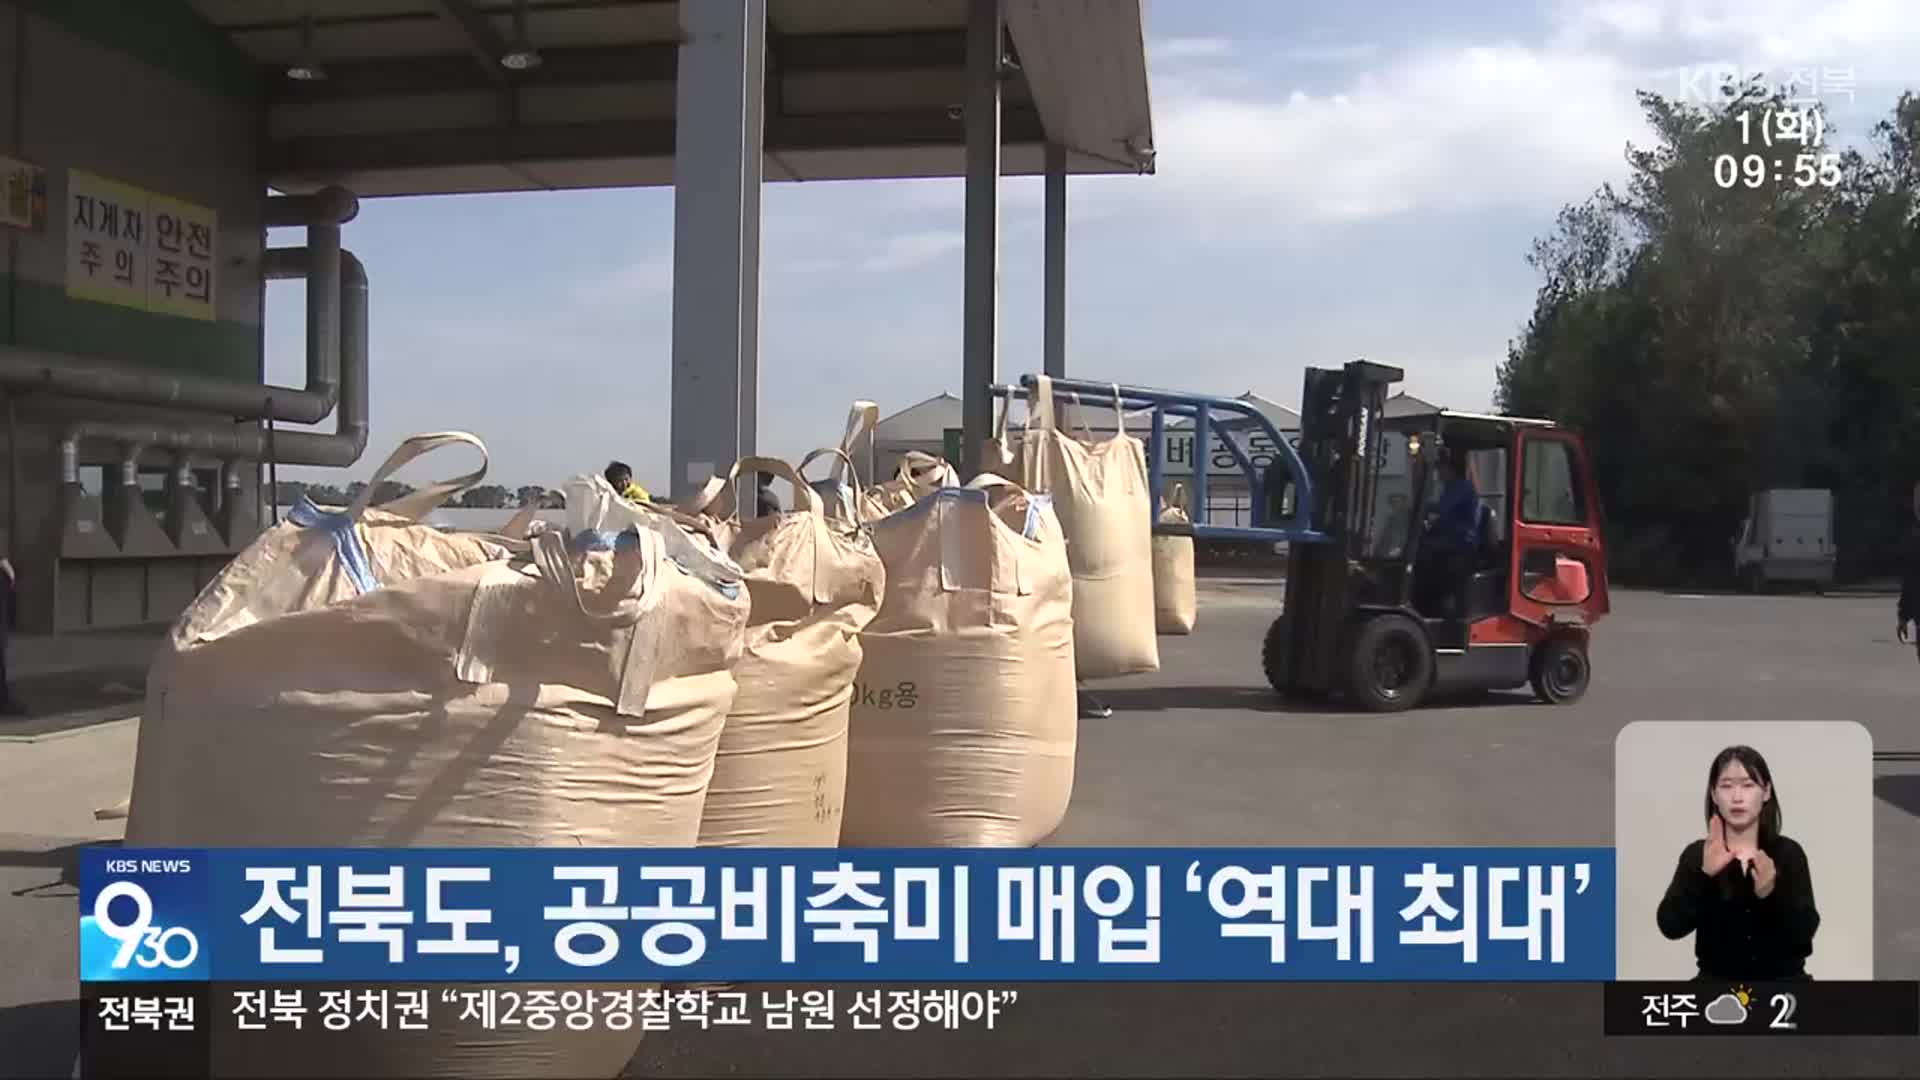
[620,475]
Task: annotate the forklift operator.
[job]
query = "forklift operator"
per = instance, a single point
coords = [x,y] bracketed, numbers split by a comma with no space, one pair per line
[1452,536]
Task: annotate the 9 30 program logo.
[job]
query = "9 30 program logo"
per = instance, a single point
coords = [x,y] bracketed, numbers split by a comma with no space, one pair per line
[136,916]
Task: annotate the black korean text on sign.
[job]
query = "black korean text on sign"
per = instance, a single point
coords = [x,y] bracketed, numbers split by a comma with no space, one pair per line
[106,241]
[199,241]
[136,249]
[182,278]
[168,243]
[166,233]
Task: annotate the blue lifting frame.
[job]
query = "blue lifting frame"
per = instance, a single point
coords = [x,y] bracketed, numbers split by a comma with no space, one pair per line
[1296,528]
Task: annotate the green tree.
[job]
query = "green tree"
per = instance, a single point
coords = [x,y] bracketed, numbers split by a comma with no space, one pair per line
[1716,329]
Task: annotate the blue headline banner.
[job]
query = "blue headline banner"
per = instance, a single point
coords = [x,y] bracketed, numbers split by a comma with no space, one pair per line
[615,915]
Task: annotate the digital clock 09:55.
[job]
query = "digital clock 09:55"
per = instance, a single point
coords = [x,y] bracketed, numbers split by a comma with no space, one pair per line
[1754,170]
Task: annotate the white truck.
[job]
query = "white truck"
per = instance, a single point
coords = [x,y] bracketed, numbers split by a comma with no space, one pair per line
[1787,538]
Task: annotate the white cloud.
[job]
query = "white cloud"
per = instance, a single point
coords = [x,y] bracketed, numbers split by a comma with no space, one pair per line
[1492,124]
[1350,53]
[1191,48]
[1871,42]
[1778,32]
[1441,129]
[642,279]
[904,251]
[803,266]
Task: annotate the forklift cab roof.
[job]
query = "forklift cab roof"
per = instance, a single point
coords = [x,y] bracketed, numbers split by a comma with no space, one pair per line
[1467,427]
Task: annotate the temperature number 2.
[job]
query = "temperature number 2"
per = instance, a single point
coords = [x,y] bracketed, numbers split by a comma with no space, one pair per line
[1783,1006]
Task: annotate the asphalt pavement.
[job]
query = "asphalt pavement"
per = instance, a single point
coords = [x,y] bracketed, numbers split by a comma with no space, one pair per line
[1200,754]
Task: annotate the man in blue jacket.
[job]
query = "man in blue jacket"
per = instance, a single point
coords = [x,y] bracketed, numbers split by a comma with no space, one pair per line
[1452,537]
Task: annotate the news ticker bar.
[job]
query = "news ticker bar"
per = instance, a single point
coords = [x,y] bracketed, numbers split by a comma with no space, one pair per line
[189,1028]
[236,1029]
[1734,1007]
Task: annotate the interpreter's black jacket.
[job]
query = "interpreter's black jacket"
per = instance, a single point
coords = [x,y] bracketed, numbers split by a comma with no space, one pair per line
[1737,935]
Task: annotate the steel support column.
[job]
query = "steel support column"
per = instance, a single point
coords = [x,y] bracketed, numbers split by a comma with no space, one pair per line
[718,141]
[1054,358]
[980,336]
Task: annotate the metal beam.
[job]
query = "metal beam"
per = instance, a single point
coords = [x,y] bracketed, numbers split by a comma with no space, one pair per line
[1054,355]
[478,34]
[919,51]
[448,73]
[609,140]
[242,27]
[980,331]
[716,242]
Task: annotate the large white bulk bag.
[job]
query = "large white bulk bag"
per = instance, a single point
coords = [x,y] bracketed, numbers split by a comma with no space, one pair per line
[780,776]
[361,679]
[1176,602]
[964,717]
[1102,496]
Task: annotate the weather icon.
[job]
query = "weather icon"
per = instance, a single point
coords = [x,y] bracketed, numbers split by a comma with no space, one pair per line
[1730,1007]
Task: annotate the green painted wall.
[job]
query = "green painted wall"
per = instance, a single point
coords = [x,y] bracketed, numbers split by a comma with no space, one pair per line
[44,317]
[63,123]
[167,34]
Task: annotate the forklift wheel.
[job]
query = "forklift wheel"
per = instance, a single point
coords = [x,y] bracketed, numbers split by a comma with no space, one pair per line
[1390,666]
[1273,656]
[1561,671]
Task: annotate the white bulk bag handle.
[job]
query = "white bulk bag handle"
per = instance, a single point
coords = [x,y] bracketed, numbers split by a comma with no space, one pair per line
[852,477]
[424,501]
[804,497]
[862,419]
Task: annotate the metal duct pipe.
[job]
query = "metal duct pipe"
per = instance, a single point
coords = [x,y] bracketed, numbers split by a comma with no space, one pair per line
[229,480]
[130,463]
[338,450]
[319,263]
[328,206]
[322,213]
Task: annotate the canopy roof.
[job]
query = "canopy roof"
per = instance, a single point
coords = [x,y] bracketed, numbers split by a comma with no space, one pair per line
[415,99]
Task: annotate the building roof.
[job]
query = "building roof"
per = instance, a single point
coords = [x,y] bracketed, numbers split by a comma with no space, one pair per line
[927,422]
[416,101]
[1284,418]
[1404,404]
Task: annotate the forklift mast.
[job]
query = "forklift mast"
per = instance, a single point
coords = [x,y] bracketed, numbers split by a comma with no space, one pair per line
[1340,411]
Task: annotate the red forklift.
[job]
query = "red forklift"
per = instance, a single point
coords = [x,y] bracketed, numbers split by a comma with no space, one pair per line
[1368,618]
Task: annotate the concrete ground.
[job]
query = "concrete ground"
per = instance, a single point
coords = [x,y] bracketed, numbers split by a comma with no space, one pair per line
[1200,754]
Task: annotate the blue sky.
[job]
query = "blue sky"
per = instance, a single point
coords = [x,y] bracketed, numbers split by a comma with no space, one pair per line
[1335,180]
